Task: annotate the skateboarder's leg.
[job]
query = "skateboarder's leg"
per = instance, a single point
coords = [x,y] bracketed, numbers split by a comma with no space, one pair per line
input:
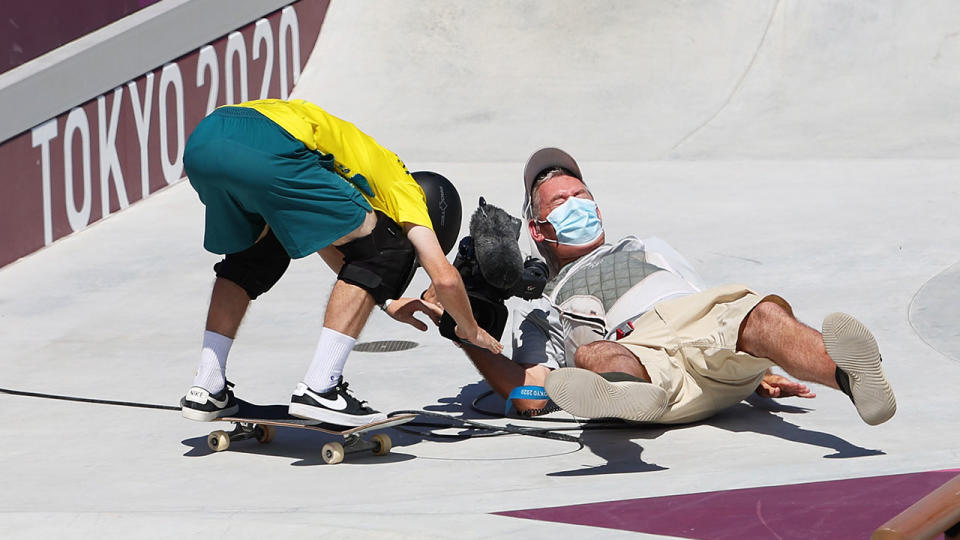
[347,312]
[318,397]
[209,397]
[348,309]
[241,277]
[228,304]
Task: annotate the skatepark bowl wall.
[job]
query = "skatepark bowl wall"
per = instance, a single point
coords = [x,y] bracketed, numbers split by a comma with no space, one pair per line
[76,153]
[38,27]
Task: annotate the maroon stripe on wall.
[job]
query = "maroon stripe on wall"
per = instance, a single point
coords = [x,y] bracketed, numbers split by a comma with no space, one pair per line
[30,29]
[120,147]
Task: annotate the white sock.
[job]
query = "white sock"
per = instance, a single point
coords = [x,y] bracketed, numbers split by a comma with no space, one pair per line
[329,359]
[212,372]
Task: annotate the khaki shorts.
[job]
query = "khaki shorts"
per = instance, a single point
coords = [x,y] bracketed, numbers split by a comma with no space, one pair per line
[689,347]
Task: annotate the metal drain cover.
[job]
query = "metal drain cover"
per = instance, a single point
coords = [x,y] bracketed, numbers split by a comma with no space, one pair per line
[385,346]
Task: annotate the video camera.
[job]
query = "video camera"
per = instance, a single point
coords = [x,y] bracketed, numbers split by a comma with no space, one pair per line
[493,269]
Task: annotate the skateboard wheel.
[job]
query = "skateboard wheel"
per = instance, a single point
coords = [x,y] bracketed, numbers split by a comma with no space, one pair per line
[265,434]
[332,453]
[382,444]
[218,441]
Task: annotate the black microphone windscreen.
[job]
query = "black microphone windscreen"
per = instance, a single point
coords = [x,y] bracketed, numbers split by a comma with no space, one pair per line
[495,238]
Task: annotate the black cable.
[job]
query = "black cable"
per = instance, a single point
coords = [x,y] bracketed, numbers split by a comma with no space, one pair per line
[427,434]
[91,400]
[476,408]
[451,421]
[544,433]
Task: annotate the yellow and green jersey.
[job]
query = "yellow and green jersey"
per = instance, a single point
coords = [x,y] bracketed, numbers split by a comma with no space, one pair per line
[358,157]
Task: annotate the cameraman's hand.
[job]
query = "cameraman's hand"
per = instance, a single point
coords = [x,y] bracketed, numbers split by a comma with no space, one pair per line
[403,310]
[481,339]
[776,386]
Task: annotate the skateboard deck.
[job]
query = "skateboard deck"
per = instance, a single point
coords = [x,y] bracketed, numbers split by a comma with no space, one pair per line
[258,421]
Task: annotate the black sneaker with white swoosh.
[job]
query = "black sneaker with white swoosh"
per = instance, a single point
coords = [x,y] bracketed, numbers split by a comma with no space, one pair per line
[200,405]
[335,406]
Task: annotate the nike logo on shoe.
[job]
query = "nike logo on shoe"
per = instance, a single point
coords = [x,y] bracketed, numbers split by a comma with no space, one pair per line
[201,395]
[338,404]
[335,406]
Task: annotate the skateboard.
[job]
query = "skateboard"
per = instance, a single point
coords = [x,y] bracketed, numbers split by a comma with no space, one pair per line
[258,422]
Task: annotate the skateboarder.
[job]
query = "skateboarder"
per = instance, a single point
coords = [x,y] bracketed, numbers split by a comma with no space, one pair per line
[284,179]
[629,331]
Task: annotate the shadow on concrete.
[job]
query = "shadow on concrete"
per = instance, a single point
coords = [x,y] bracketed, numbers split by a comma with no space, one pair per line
[615,442]
[756,415]
[471,403]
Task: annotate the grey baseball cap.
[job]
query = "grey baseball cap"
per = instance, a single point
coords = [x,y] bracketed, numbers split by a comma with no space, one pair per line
[541,160]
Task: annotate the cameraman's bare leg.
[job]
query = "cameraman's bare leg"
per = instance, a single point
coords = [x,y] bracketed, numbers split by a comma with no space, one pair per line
[845,356]
[770,331]
[608,356]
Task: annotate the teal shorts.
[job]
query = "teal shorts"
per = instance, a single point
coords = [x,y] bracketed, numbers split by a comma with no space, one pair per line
[249,172]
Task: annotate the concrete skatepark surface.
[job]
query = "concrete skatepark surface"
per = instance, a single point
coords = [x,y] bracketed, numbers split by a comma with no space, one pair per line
[807,149]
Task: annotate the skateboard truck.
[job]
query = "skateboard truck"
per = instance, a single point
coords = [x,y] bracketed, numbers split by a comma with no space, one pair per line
[258,422]
[220,440]
[332,452]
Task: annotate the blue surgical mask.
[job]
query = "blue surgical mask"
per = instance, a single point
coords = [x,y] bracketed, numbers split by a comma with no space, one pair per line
[576,222]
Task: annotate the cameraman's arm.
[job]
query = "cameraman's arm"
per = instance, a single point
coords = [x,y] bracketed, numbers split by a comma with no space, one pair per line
[503,375]
[537,348]
[449,287]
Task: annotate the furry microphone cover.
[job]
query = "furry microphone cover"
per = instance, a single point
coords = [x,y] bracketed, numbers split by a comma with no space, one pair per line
[495,239]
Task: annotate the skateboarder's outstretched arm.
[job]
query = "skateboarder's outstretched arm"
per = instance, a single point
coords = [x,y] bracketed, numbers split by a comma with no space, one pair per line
[449,287]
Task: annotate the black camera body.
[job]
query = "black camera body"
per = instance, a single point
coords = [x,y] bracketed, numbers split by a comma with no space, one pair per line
[493,269]
[533,277]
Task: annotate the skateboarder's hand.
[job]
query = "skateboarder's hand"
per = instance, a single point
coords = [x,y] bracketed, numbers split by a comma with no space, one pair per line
[403,310]
[776,386]
[430,295]
[480,339]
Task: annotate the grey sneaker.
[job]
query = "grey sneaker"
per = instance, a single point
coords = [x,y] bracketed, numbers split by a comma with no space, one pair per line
[587,394]
[859,374]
